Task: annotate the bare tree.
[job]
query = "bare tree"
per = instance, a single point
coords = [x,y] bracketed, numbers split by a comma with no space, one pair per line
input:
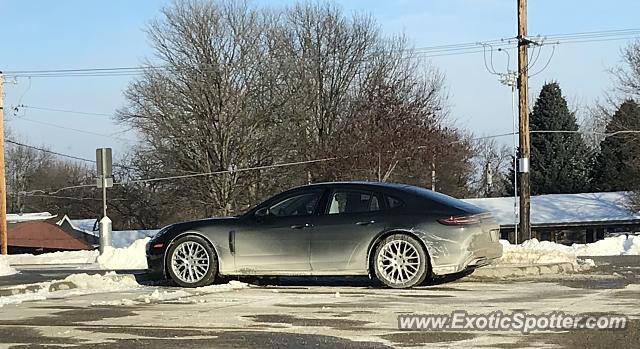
[628,76]
[235,87]
[207,109]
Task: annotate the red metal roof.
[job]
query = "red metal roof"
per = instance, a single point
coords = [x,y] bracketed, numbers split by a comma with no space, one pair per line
[43,234]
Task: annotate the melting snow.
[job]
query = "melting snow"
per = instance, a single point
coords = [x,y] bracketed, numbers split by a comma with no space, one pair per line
[76,284]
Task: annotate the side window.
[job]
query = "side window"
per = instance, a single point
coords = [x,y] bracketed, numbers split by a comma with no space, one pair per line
[353,202]
[393,202]
[298,205]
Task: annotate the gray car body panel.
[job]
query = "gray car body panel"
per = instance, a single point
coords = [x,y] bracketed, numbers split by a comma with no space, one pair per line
[341,244]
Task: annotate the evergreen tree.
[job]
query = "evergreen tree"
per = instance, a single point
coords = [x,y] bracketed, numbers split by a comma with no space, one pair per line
[559,161]
[617,166]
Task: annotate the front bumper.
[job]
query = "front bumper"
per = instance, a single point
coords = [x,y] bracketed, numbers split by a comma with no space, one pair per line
[155,263]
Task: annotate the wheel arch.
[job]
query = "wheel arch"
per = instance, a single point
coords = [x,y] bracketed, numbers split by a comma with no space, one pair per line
[184,234]
[375,242]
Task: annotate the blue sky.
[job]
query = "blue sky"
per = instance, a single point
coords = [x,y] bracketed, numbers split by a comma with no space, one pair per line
[86,34]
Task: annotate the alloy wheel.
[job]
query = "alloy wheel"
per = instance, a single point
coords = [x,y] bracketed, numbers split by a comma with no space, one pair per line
[398,261]
[190,262]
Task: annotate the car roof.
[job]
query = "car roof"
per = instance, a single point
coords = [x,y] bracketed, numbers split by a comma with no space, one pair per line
[384,185]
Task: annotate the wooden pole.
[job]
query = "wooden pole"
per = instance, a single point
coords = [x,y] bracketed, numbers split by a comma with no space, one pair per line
[523,89]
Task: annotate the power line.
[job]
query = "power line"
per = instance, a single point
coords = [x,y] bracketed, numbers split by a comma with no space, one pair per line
[64,197]
[426,51]
[73,157]
[49,151]
[63,110]
[255,168]
[76,130]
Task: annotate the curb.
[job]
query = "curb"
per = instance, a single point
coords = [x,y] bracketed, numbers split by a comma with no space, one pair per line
[524,270]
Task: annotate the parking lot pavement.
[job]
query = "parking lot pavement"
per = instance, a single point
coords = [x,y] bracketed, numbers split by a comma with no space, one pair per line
[330,312]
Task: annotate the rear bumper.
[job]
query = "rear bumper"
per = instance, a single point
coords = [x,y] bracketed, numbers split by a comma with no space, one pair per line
[467,259]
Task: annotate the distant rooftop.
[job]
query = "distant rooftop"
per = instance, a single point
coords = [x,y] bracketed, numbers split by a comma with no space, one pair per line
[28,217]
[563,208]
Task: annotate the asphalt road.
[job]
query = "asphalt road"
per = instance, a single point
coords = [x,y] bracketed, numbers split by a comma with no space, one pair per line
[327,313]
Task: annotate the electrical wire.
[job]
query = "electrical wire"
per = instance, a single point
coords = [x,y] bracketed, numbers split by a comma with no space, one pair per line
[76,130]
[424,52]
[297,163]
[546,64]
[63,110]
[73,157]
[49,151]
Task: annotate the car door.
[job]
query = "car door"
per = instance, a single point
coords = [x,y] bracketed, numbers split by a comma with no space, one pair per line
[344,229]
[278,240]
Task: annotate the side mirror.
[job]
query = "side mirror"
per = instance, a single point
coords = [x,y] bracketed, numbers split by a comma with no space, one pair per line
[263,212]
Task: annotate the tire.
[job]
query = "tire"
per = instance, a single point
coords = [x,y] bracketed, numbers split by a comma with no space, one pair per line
[400,261]
[192,262]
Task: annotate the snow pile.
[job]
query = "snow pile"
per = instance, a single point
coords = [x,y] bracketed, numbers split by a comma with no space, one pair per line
[131,257]
[76,284]
[67,257]
[184,295]
[158,296]
[108,282]
[533,252]
[536,252]
[5,269]
[611,246]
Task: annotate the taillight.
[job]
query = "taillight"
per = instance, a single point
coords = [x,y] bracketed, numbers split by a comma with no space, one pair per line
[460,220]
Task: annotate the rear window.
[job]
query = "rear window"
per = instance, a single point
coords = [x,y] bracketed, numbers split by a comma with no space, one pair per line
[445,200]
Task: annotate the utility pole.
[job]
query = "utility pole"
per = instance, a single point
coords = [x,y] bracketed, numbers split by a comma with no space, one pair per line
[523,89]
[3,184]
[105,180]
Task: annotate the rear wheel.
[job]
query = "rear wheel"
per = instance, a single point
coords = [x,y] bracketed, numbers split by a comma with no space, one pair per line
[192,262]
[400,261]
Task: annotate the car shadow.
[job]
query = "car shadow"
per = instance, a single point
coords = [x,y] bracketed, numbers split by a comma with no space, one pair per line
[335,281]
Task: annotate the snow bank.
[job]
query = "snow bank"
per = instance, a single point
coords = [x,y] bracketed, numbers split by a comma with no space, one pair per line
[76,284]
[5,269]
[611,246]
[536,252]
[131,257]
[67,257]
[126,258]
[546,252]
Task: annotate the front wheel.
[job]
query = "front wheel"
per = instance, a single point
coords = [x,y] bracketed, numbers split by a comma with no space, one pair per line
[400,261]
[192,262]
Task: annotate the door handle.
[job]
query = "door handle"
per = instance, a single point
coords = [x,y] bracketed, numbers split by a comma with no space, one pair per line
[366,223]
[301,226]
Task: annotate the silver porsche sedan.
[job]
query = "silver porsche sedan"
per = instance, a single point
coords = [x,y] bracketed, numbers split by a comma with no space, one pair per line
[400,234]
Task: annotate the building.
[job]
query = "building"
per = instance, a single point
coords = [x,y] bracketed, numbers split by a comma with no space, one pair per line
[566,218]
[37,233]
